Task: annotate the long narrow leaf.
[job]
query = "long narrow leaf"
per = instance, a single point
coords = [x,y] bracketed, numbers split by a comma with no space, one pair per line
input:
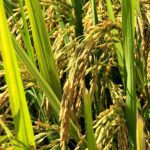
[128,19]
[23,126]
[118,45]
[94,11]
[26,36]
[54,101]
[43,47]
[77,7]
[88,122]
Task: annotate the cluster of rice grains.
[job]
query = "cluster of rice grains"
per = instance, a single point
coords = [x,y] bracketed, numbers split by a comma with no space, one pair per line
[110,124]
[146,37]
[63,34]
[82,62]
[143,30]
[77,59]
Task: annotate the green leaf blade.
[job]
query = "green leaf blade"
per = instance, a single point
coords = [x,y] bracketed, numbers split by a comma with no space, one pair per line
[43,46]
[91,142]
[22,122]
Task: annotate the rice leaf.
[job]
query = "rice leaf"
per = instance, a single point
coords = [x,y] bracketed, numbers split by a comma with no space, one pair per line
[22,122]
[43,47]
[94,11]
[128,25]
[25,34]
[91,142]
[118,45]
[77,9]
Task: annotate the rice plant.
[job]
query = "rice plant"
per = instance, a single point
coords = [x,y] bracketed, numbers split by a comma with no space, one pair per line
[75,74]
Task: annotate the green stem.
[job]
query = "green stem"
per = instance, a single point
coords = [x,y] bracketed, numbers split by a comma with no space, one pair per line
[118,45]
[95,18]
[91,142]
[128,25]
[77,6]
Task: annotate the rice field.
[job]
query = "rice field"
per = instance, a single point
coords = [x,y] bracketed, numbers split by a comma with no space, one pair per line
[75,74]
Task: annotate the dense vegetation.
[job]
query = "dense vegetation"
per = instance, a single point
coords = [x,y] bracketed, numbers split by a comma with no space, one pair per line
[74,74]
